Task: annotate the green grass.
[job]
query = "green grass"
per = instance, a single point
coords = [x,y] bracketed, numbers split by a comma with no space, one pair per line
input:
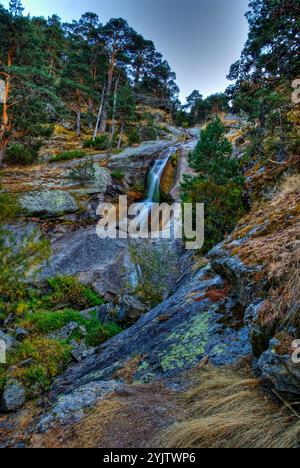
[67,156]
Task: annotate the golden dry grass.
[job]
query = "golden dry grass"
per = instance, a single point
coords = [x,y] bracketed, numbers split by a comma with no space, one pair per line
[290,184]
[126,419]
[226,409]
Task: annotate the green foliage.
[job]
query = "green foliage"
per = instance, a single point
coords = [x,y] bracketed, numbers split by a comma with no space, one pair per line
[149,133]
[212,156]
[67,290]
[118,175]
[98,333]
[67,155]
[153,278]
[84,173]
[48,358]
[133,136]
[218,183]
[100,143]
[223,207]
[20,154]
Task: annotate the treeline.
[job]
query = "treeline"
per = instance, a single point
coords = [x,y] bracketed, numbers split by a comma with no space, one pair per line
[51,70]
[262,77]
[262,93]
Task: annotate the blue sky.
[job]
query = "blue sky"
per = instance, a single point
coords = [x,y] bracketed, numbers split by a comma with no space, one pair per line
[199,38]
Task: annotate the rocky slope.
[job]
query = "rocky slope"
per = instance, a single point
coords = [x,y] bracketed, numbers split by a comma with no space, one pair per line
[240,303]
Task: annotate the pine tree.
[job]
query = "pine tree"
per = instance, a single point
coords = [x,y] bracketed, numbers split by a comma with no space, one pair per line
[29,90]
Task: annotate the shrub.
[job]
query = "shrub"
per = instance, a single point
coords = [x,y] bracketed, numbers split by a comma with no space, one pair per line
[148,133]
[218,183]
[83,173]
[67,290]
[134,136]
[118,175]
[48,358]
[153,278]
[101,143]
[99,333]
[68,155]
[20,154]
[223,207]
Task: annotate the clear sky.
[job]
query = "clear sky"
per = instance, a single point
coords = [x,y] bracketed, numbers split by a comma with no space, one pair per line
[199,38]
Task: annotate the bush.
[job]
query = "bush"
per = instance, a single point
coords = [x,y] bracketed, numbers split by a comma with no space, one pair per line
[118,175]
[67,155]
[48,358]
[153,277]
[20,154]
[83,173]
[101,143]
[67,290]
[148,133]
[134,136]
[218,184]
[223,207]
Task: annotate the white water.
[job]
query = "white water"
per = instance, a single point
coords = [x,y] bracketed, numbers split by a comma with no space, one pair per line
[153,186]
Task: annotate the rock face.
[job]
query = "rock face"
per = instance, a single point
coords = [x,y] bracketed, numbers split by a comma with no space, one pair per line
[171,338]
[50,202]
[70,408]
[136,162]
[13,397]
[8,340]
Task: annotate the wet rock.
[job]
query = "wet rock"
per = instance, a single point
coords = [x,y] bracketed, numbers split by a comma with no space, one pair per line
[21,334]
[49,202]
[66,332]
[131,309]
[81,351]
[9,341]
[280,371]
[108,313]
[239,275]
[137,161]
[167,347]
[13,397]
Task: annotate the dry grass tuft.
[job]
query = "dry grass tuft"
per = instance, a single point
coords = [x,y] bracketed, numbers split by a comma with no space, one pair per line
[290,184]
[226,409]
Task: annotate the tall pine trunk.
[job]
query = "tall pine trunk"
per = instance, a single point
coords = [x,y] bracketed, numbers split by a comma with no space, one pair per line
[103,124]
[99,113]
[121,135]
[113,125]
[5,127]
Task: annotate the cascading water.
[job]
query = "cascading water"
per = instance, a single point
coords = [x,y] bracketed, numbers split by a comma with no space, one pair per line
[153,185]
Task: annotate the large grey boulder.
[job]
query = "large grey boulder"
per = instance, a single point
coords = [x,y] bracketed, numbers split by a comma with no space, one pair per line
[71,408]
[172,338]
[136,162]
[49,202]
[280,371]
[14,396]
[8,340]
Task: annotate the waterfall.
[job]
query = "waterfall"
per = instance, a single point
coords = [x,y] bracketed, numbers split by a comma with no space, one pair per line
[153,185]
[155,175]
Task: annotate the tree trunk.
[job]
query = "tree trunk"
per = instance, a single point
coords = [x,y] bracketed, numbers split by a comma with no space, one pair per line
[121,135]
[6,124]
[107,95]
[113,125]
[99,113]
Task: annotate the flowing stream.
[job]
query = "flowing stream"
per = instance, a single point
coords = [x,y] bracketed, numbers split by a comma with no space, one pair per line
[153,185]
